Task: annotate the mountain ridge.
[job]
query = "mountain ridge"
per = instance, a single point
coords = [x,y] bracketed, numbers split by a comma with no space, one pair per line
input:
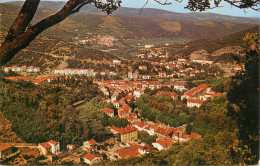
[150,13]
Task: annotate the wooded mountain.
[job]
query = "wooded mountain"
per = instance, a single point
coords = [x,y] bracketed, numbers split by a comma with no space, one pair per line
[126,23]
[150,13]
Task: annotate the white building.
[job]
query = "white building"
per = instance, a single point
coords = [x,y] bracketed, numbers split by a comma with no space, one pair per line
[116,61]
[138,92]
[194,103]
[203,62]
[181,86]
[32,69]
[13,68]
[149,46]
[92,158]
[68,71]
[164,143]
[49,147]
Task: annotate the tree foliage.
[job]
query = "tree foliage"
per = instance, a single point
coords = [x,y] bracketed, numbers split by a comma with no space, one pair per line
[244,101]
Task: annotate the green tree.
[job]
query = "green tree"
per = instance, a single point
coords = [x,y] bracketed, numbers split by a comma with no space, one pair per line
[243,99]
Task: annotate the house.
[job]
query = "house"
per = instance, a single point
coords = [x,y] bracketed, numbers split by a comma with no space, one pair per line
[130,74]
[164,143]
[172,94]
[116,61]
[143,67]
[196,92]
[52,147]
[162,74]
[194,103]
[170,66]
[5,151]
[127,152]
[13,68]
[71,147]
[92,158]
[181,86]
[32,69]
[203,62]
[146,77]
[164,132]
[143,149]
[148,45]
[109,112]
[90,144]
[123,113]
[127,134]
[138,92]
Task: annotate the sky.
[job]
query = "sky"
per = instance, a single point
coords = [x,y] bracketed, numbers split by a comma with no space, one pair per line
[227,9]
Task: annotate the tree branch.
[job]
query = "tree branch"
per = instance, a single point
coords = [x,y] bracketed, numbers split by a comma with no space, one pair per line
[13,45]
[24,17]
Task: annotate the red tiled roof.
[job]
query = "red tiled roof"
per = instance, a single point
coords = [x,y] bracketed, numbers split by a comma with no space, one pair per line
[195,101]
[92,141]
[165,142]
[127,152]
[139,90]
[4,147]
[163,131]
[108,110]
[18,78]
[45,145]
[127,129]
[196,90]
[52,142]
[180,84]
[91,156]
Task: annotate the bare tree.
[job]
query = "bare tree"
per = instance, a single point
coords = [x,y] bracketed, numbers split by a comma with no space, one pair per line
[21,34]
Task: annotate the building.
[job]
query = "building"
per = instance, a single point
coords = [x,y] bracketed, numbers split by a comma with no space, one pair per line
[68,71]
[148,45]
[138,92]
[52,147]
[130,75]
[194,103]
[71,147]
[203,62]
[92,158]
[109,112]
[32,69]
[164,143]
[116,61]
[123,113]
[162,74]
[127,134]
[181,86]
[13,68]
[196,92]
[127,152]
[90,144]
[5,151]
[143,67]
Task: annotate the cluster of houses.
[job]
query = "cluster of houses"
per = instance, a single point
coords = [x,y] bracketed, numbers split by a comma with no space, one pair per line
[198,95]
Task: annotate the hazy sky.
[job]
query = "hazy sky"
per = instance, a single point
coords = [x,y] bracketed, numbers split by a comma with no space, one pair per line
[179,7]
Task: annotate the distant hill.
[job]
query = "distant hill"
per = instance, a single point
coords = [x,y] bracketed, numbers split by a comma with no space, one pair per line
[211,45]
[125,27]
[151,13]
[50,53]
